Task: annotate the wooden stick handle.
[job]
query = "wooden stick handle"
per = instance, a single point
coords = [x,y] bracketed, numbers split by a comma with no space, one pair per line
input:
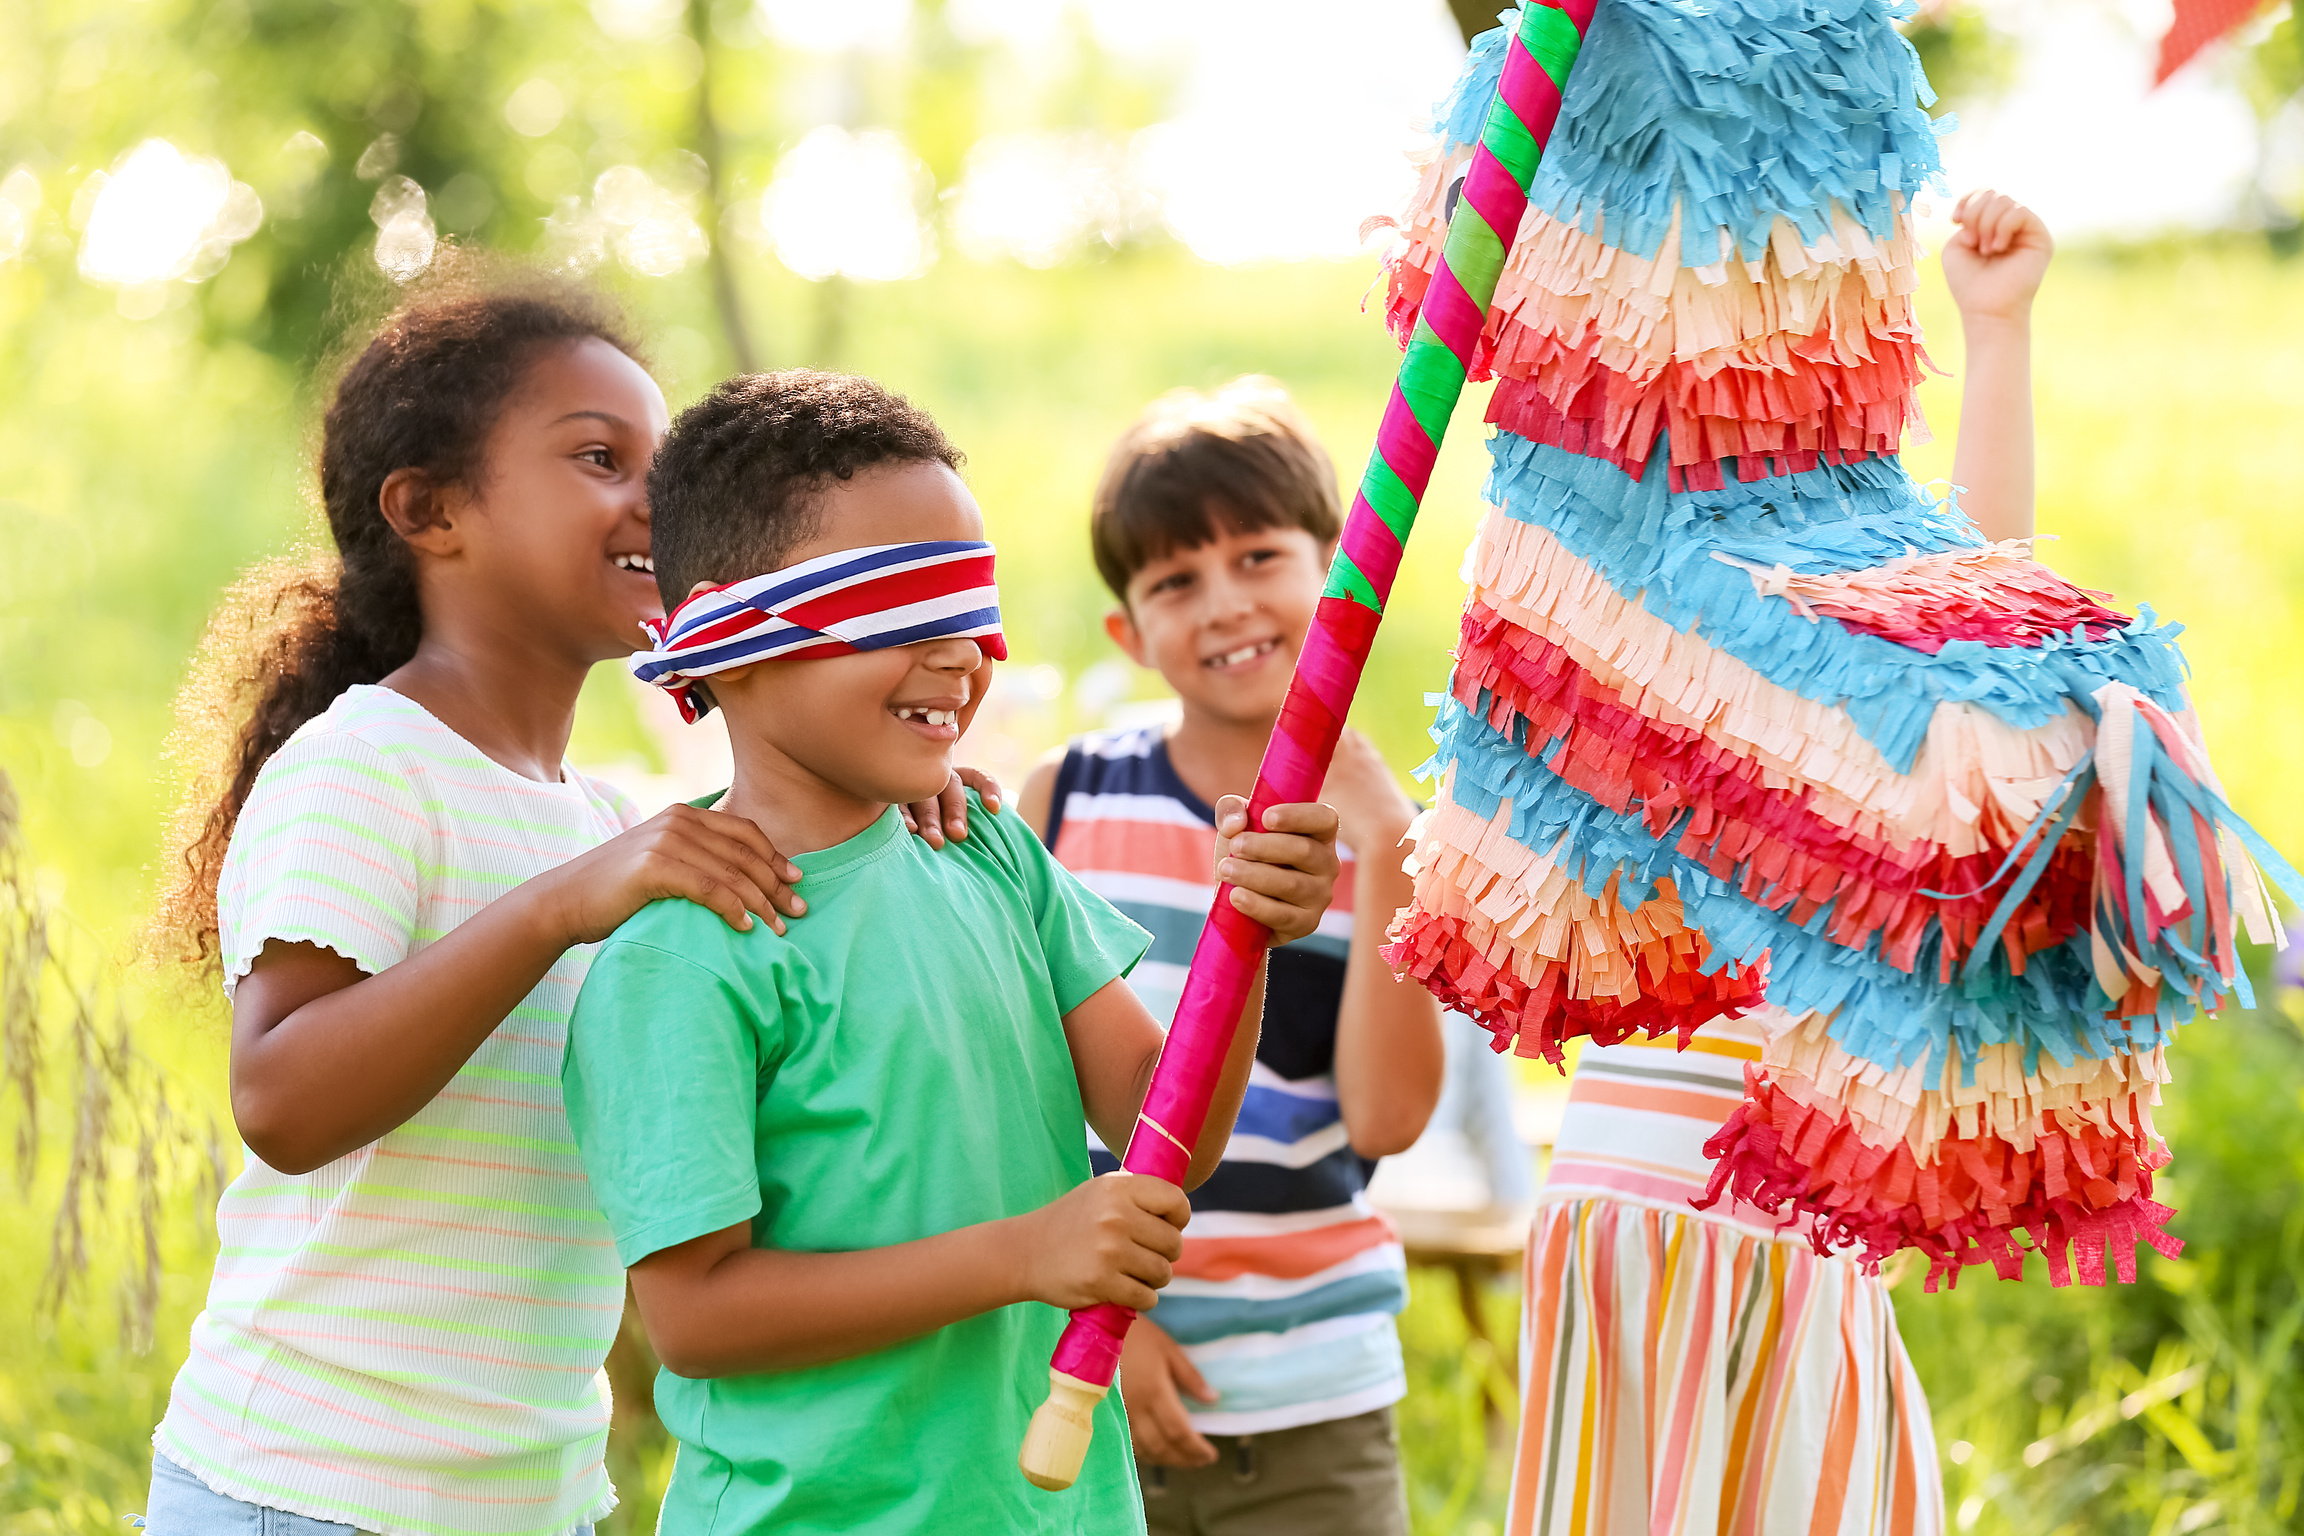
[1057,1442]
[1439,356]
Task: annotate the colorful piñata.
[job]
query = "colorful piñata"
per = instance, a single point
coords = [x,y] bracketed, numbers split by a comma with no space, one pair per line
[1744,720]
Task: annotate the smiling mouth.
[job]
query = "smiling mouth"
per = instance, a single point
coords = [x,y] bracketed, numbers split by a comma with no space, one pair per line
[1245,653]
[641,565]
[921,715]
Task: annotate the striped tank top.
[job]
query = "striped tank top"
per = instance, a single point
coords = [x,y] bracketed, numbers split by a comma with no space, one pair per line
[1285,1295]
[409,1340]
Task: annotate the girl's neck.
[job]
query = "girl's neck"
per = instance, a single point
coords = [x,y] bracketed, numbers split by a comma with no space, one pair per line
[1215,756]
[518,710]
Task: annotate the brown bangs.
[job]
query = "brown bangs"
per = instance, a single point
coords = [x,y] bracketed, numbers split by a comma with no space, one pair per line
[1197,466]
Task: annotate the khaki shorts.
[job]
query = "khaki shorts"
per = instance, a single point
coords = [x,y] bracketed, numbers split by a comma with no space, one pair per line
[1341,1478]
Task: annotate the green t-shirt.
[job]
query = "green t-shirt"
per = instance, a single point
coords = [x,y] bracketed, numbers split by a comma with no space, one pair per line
[892,1068]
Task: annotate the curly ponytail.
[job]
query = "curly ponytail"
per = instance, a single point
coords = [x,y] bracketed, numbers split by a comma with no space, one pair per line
[290,637]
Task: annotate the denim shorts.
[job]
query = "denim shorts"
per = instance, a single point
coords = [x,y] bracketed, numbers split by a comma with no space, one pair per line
[182,1505]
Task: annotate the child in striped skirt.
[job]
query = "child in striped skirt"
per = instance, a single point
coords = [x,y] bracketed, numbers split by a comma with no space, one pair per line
[1706,1373]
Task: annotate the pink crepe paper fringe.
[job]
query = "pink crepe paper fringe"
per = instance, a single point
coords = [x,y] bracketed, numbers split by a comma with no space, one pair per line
[1769,840]
[1537,1020]
[1996,595]
[2001,1090]
[2086,1189]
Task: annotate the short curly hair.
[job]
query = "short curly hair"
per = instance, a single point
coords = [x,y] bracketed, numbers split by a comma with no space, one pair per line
[732,491]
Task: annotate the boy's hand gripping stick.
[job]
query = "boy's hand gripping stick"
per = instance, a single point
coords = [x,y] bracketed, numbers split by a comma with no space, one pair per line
[1432,373]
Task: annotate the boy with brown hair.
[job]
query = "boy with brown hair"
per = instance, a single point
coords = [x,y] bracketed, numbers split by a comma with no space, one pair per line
[1213,526]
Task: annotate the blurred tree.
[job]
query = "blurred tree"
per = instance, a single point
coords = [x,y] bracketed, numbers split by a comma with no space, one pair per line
[1967,59]
[1473,17]
[2272,72]
[706,142]
[499,114]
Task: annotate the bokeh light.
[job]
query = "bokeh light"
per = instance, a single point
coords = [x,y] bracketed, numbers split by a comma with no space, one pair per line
[637,20]
[1040,197]
[849,205]
[161,215]
[653,232]
[837,26]
[1018,23]
[1289,130]
[405,238]
[535,109]
[645,224]
[19,201]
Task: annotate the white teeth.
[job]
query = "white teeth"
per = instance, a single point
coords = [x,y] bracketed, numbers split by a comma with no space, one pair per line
[644,564]
[1245,653]
[929,716]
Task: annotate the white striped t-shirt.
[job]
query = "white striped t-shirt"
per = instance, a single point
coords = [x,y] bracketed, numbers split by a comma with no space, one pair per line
[409,1340]
[1285,1293]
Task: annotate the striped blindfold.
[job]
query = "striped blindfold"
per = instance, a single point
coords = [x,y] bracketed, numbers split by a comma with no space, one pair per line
[834,605]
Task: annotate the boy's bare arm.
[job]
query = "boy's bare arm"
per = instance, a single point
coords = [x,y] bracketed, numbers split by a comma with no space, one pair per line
[717,1306]
[1390,1057]
[1993,265]
[1037,798]
[1115,1043]
[1283,877]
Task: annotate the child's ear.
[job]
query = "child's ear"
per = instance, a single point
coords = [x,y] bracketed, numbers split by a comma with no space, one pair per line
[1121,626]
[416,507]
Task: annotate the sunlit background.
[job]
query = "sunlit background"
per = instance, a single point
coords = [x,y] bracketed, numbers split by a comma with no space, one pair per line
[1033,215]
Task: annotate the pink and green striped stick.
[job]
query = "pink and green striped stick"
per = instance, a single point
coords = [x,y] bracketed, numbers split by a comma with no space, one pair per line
[1431,377]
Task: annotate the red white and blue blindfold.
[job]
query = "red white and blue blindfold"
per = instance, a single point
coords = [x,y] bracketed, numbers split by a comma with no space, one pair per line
[834,605]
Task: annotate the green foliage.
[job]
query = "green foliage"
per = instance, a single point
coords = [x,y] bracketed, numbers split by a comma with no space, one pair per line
[2172,1404]
[1463,1406]
[1969,61]
[2273,69]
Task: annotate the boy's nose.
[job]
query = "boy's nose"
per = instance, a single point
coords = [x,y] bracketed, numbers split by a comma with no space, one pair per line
[1228,599]
[957,655]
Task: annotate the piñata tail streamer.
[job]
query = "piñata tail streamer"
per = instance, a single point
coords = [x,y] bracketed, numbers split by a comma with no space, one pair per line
[1742,720]
[1533,69]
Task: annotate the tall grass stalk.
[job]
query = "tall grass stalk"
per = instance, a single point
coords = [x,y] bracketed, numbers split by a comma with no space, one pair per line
[131,1153]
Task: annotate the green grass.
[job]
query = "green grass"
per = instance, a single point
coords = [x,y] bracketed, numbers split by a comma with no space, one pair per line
[142,466]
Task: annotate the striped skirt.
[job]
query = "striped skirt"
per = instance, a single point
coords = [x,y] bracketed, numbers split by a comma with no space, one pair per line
[1680,1377]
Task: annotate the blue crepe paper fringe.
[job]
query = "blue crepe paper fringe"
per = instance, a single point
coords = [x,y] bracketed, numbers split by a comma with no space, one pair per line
[1882,1014]
[1655,546]
[1744,110]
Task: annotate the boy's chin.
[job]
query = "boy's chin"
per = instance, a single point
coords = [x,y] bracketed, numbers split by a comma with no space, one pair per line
[911,789]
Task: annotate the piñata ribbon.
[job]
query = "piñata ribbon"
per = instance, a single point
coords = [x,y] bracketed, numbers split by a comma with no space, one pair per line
[851,600]
[1432,374]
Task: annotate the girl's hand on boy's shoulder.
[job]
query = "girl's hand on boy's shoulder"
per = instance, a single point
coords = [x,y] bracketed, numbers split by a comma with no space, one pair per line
[1995,260]
[1284,876]
[1114,1239]
[946,816]
[708,857]
[1375,811]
